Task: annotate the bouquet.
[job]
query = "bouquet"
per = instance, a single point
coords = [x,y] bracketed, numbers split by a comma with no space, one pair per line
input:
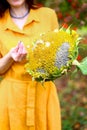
[52,54]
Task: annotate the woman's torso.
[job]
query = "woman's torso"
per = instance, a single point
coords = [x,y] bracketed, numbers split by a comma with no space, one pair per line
[10,34]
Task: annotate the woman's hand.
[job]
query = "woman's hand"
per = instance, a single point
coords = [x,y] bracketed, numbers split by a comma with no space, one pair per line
[18,53]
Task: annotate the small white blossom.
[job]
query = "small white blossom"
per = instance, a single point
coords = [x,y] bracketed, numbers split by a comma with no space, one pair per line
[47,44]
[28,46]
[39,41]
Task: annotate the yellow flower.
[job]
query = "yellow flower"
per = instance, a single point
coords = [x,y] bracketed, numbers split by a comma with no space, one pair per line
[51,54]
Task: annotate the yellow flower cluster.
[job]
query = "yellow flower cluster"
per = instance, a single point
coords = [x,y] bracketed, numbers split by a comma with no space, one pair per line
[52,54]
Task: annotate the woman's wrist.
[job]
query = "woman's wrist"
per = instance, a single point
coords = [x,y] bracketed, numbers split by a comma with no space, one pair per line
[5,63]
[10,57]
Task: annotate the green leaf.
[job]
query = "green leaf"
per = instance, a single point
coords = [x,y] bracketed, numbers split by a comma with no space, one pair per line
[83,66]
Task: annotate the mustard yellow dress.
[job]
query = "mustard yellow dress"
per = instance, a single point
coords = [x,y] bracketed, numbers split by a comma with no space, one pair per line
[26,104]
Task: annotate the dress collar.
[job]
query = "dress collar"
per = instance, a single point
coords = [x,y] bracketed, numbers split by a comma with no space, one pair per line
[33,16]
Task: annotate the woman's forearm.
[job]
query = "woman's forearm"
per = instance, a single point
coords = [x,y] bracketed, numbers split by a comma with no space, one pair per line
[5,63]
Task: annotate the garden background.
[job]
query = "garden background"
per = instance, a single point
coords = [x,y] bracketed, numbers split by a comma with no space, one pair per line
[72,88]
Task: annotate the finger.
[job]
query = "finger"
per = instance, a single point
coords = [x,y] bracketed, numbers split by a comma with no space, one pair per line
[22,57]
[20,48]
[23,49]
[20,44]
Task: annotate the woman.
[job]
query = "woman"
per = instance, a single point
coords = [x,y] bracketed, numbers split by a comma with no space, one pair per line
[24,104]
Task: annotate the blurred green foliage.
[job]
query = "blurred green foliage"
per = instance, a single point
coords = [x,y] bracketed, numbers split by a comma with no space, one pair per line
[69,11]
[74,116]
[73,101]
[73,12]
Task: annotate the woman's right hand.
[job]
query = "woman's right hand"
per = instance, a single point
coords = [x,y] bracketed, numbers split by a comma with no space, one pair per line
[18,53]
